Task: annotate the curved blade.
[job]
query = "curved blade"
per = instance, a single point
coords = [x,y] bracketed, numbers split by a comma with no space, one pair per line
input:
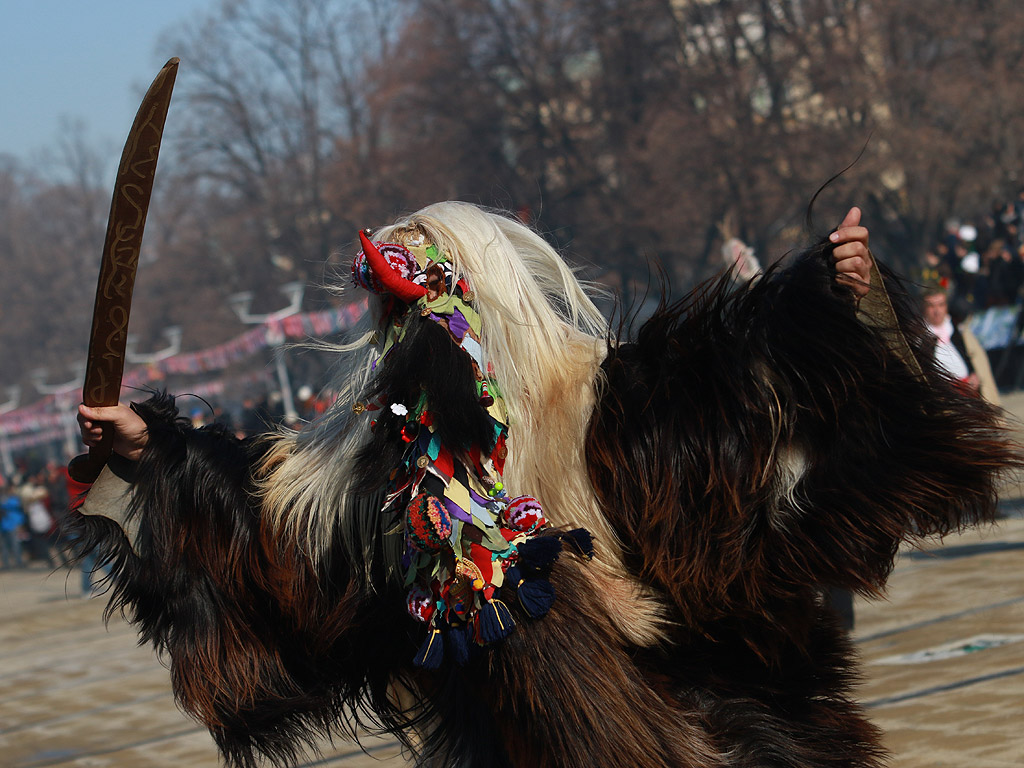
[121,247]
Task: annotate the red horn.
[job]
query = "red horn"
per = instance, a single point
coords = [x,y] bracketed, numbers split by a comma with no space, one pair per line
[406,290]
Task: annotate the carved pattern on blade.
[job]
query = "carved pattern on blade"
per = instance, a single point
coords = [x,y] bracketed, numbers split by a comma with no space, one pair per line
[123,243]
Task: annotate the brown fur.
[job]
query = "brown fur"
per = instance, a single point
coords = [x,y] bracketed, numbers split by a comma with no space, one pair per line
[745,452]
[552,684]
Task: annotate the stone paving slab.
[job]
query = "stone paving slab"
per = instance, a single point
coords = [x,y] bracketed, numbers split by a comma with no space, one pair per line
[968,710]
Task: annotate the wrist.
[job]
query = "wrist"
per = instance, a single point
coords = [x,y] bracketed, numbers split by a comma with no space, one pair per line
[132,451]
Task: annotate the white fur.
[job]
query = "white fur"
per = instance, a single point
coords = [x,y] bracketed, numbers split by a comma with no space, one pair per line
[545,339]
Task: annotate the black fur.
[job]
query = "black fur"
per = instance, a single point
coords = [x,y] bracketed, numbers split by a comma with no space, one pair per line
[426,361]
[685,451]
[262,650]
[268,654]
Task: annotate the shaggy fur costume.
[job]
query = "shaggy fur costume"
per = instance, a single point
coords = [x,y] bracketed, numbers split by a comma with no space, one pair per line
[748,449]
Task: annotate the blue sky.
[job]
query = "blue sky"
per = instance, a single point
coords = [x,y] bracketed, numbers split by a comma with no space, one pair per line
[87,60]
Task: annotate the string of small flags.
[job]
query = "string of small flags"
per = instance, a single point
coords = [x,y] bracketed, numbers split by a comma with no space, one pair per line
[48,412]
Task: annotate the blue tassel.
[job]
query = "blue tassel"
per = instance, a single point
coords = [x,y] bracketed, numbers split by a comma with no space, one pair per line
[536,596]
[496,623]
[458,644]
[582,540]
[431,652]
[537,555]
[513,577]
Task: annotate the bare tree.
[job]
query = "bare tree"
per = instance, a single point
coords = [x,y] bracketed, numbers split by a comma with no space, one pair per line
[631,128]
[272,94]
[634,128]
[625,129]
[951,129]
[53,234]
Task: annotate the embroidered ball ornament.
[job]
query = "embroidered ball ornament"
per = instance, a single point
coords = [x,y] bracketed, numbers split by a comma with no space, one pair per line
[427,522]
[524,513]
[400,259]
[420,603]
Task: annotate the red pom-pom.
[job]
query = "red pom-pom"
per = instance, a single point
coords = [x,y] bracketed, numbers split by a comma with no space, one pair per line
[420,603]
[524,513]
[485,395]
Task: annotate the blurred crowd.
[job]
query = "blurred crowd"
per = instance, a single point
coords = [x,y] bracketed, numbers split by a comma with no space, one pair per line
[975,266]
[976,271]
[260,413]
[31,510]
[33,503]
[979,264]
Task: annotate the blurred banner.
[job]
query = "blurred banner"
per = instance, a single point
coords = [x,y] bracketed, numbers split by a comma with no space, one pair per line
[309,325]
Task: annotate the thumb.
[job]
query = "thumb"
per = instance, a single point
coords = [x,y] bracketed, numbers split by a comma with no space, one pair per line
[100,412]
[852,218]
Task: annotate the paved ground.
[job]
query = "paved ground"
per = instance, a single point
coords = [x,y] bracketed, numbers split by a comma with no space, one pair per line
[74,693]
[943,663]
[962,602]
[963,706]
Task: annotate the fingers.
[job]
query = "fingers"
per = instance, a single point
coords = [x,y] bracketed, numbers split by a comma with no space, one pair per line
[90,424]
[851,255]
[92,421]
[850,235]
[850,230]
[857,284]
[92,418]
[852,218]
[855,271]
[853,259]
[98,412]
[130,432]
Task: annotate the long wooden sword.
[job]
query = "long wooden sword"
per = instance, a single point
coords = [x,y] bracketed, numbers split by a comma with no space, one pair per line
[128,207]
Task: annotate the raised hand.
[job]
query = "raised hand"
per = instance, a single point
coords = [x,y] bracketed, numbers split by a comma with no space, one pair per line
[130,434]
[851,254]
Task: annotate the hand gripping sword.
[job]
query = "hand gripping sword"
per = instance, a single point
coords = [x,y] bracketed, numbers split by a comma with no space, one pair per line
[128,207]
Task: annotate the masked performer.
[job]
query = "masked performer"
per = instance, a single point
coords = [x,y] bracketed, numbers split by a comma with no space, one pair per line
[517,541]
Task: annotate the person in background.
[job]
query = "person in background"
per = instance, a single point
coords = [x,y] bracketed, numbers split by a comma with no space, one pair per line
[41,528]
[934,270]
[55,478]
[309,404]
[957,350]
[88,562]
[12,518]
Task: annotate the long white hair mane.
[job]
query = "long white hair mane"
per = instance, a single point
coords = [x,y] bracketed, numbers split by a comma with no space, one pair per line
[544,339]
